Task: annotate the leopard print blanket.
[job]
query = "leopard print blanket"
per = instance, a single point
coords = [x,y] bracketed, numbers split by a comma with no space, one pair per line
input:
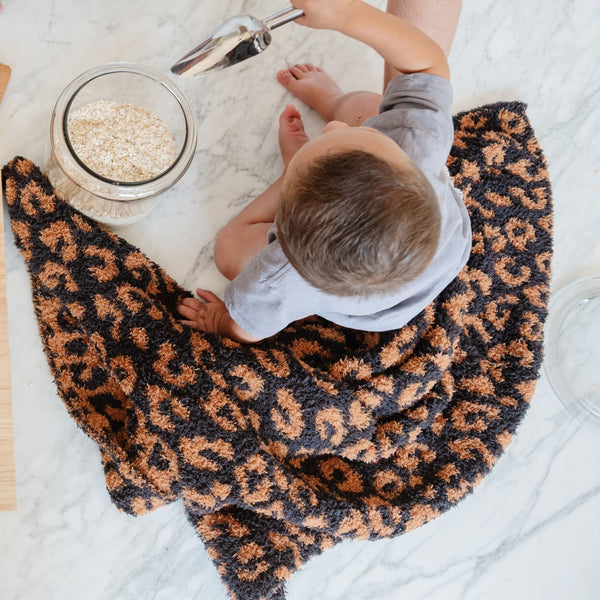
[284,448]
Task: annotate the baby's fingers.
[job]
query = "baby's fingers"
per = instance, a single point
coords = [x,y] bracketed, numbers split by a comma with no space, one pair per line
[188,312]
[208,295]
[192,324]
[192,303]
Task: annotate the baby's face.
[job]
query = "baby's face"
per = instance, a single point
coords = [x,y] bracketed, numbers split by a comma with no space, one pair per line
[339,137]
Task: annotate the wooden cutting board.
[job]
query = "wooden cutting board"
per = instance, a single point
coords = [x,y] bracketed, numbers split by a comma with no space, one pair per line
[4,77]
[8,487]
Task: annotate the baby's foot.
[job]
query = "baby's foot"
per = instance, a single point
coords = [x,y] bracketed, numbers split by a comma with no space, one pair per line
[313,86]
[291,133]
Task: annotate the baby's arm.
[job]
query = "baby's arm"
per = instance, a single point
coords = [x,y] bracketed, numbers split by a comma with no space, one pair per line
[402,45]
[212,316]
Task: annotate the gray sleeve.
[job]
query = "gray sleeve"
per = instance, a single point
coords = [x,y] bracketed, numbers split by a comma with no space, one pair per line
[416,112]
[268,294]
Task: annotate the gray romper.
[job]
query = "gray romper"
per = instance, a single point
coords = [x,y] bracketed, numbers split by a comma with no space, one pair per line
[416,112]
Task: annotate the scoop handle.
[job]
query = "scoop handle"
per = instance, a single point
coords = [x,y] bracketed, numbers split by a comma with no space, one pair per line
[283,17]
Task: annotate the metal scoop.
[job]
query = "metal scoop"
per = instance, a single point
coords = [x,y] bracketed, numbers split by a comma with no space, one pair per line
[237,39]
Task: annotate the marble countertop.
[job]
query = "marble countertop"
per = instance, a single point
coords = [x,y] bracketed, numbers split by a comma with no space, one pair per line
[530,531]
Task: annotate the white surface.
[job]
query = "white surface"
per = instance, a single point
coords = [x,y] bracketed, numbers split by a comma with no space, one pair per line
[530,531]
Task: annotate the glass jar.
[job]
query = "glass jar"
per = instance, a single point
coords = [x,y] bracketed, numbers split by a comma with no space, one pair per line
[101,198]
[572,349]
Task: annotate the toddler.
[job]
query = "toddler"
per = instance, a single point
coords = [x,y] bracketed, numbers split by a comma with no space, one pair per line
[364,227]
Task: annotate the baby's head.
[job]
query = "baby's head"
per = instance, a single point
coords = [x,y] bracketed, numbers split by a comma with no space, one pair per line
[356,216]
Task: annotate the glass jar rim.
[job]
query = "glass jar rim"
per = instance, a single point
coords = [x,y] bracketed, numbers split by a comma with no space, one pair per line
[563,305]
[103,186]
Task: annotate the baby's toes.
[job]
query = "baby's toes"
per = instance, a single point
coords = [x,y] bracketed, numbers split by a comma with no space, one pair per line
[296,71]
[296,126]
[287,79]
[288,115]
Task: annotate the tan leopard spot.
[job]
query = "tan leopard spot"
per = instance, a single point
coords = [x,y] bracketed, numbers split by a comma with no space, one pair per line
[388,484]
[139,336]
[411,455]
[288,418]
[469,448]
[512,123]
[353,523]
[503,266]
[254,384]
[22,234]
[419,515]
[170,369]
[253,574]
[54,274]
[198,449]
[59,239]
[224,412]
[215,525]
[329,423]
[110,312]
[253,489]
[473,417]
[520,233]
[448,472]
[274,361]
[128,294]
[346,478]
[537,295]
[127,372]
[249,552]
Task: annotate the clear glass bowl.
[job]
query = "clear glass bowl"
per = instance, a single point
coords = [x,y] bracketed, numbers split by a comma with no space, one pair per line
[572,349]
[102,199]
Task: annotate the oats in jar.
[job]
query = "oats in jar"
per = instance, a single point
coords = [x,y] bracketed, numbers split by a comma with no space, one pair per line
[121,142]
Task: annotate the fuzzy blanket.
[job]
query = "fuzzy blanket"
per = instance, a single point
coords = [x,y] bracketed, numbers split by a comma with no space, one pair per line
[282,449]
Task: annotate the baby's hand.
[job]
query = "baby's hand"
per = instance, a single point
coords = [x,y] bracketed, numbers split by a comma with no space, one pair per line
[205,316]
[291,133]
[212,316]
[325,14]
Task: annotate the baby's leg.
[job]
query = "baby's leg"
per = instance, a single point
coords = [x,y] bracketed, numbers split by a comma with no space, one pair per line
[314,87]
